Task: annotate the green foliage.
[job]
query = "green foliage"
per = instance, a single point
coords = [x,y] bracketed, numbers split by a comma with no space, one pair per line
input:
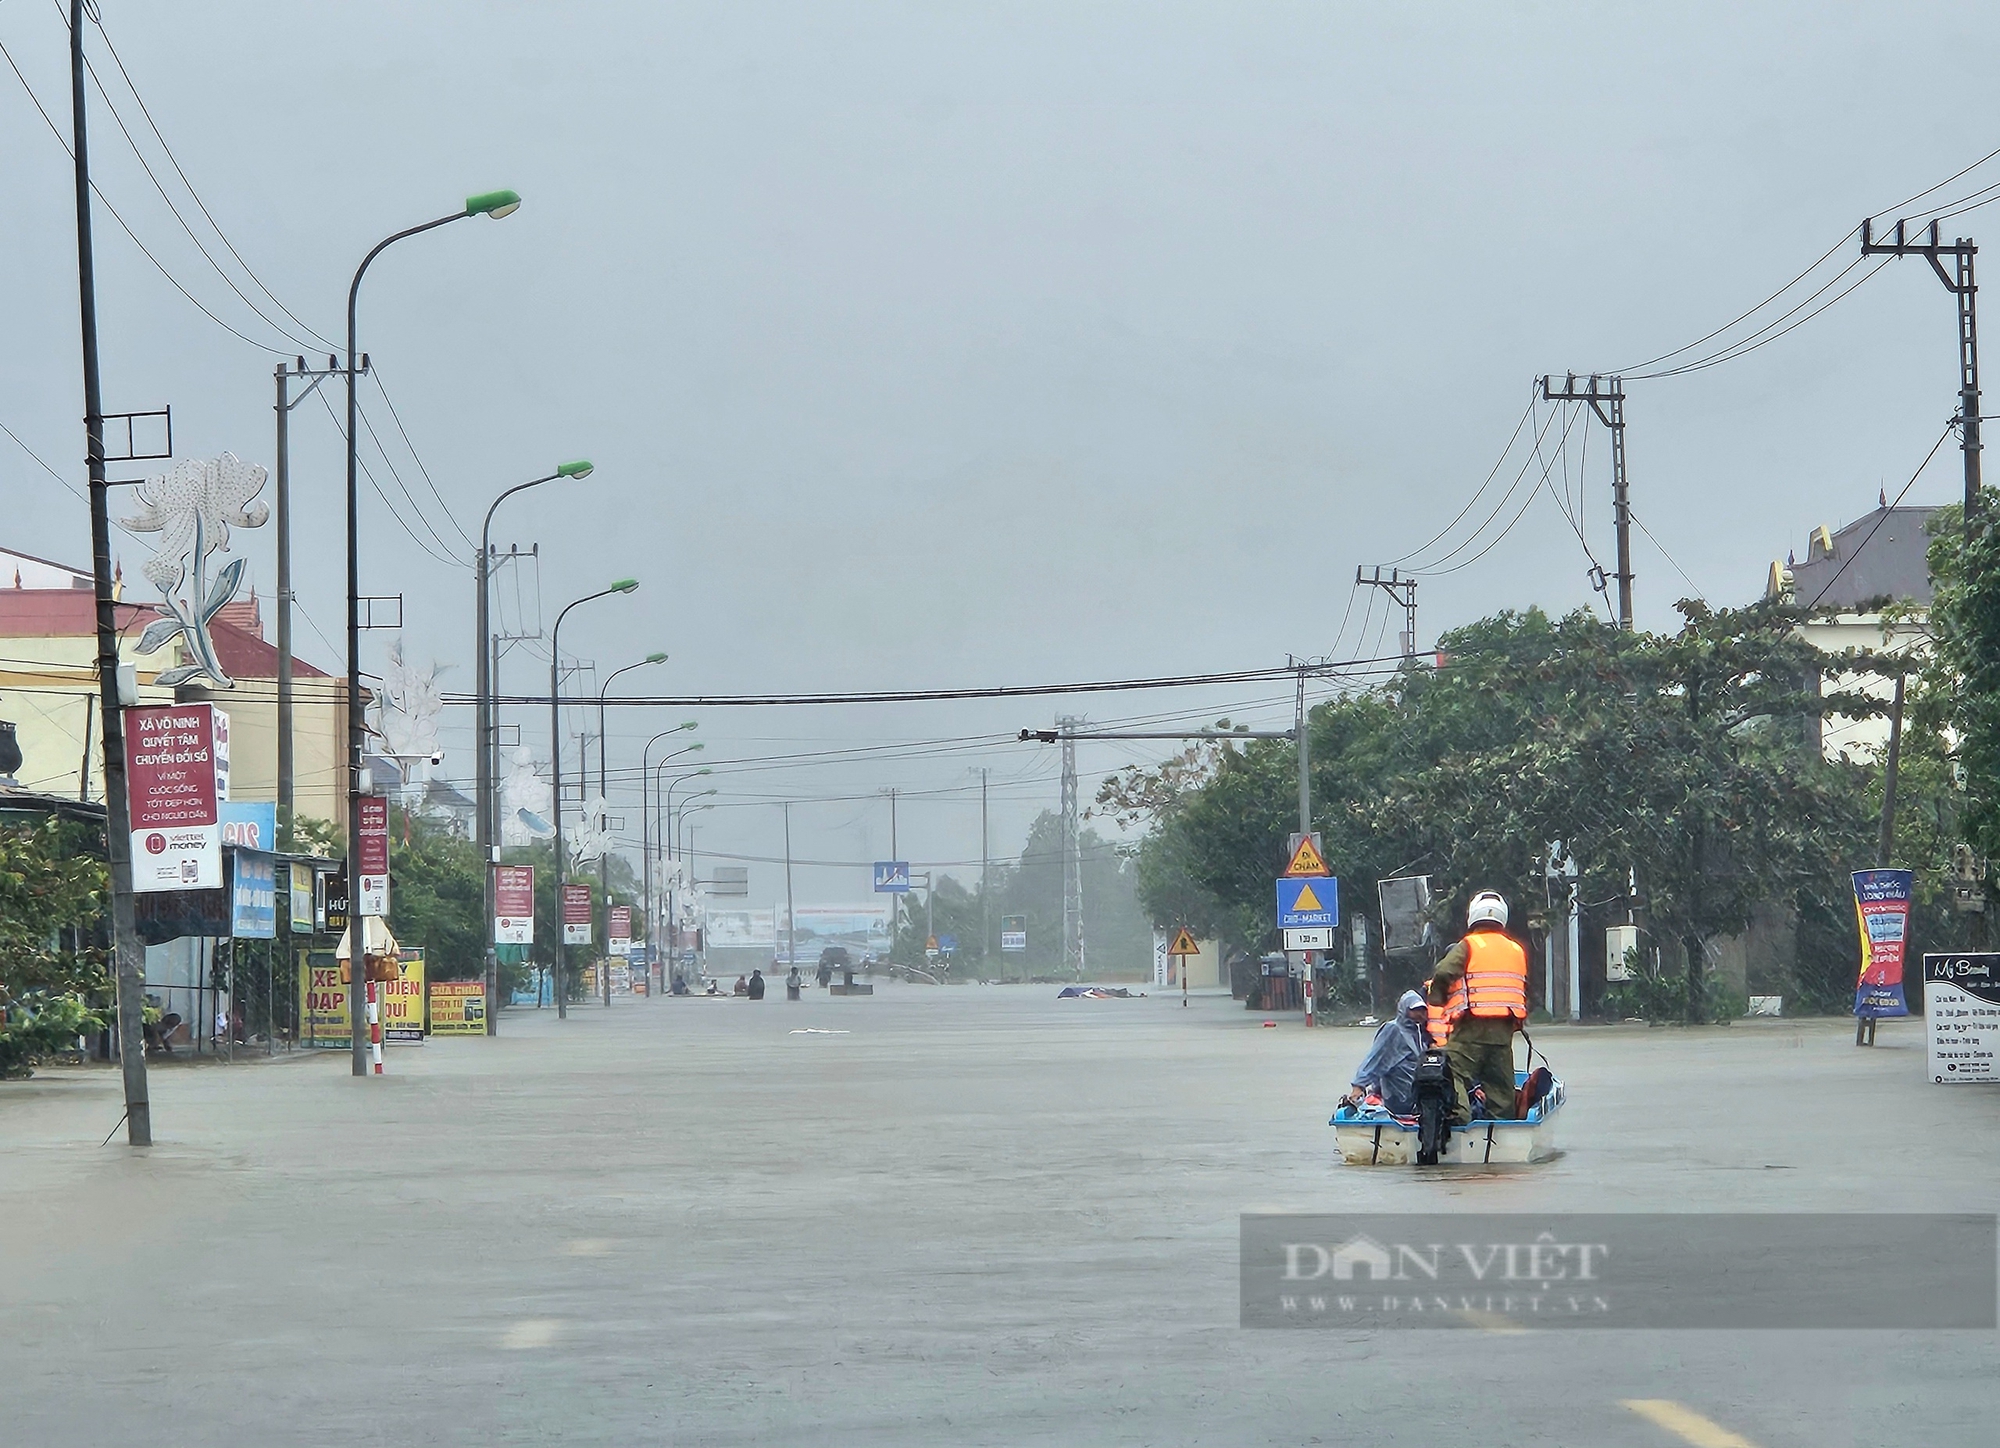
[1689,758]
[437,896]
[54,984]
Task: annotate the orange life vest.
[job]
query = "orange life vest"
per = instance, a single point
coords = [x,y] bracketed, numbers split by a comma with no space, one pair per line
[1495,983]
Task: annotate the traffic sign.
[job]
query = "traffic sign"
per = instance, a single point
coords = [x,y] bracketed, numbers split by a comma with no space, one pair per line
[892,877]
[1184,944]
[1318,938]
[947,943]
[1013,932]
[1306,859]
[1309,903]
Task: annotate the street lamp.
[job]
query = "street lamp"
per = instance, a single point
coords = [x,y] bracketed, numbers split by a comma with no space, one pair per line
[623,585]
[487,823]
[604,792]
[495,204]
[687,841]
[646,823]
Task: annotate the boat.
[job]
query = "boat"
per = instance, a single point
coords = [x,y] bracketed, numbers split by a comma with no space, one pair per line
[1375,1140]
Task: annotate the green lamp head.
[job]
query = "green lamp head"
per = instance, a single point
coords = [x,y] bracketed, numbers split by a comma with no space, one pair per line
[581,468]
[624,585]
[495,204]
[655,659]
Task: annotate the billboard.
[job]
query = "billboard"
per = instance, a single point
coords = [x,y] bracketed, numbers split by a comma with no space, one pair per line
[618,930]
[302,898]
[576,914]
[863,929]
[171,786]
[253,896]
[742,930]
[374,842]
[458,1008]
[401,1001]
[251,824]
[322,1000]
[1882,908]
[513,904]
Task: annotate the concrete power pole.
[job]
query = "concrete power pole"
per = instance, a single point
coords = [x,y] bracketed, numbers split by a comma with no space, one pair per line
[1608,402]
[985,892]
[1072,853]
[1403,590]
[1959,282]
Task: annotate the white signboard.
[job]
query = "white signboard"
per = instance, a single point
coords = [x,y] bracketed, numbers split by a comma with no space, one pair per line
[1962,1009]
[1160,957]
[1316,938]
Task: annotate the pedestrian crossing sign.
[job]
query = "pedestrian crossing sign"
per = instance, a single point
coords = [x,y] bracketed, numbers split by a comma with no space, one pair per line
[1306,860]
[1184,944]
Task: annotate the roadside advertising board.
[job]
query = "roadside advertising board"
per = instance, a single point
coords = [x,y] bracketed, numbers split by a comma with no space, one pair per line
[402,1001]
[513,904]
[302,898]
[1962,1012]
[374,870]
[171,785]
[618,932]
[576,914]
[322,1001]
[248,823]
[458,1008]
[1882,908]
[253,896]
[1013,932]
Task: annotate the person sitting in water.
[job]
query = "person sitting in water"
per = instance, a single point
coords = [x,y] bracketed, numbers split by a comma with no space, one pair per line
[742,986]
[756,987]
[1388,1073]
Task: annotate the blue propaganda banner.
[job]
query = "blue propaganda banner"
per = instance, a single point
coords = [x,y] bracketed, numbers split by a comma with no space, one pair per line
[1882,907]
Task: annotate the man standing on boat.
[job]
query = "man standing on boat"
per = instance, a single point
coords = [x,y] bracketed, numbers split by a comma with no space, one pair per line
[1479,998]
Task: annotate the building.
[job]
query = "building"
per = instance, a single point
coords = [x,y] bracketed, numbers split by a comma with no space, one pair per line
[48,689]
[1874,576]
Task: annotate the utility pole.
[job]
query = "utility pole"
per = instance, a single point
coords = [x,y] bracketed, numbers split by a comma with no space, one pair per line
[895,901]
[985,893]
[1072,852]
[1403,590]
[1608,402]
[285,375]
[131,954]
[1959,282]
[791,914]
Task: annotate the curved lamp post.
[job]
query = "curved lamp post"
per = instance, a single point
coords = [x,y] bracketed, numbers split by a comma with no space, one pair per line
[487,820]
[623,585]
[604,791]
[495,204]
[646,823]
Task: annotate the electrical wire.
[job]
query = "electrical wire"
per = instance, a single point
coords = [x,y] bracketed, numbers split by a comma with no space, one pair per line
[1497,465]
[404,488]
[1759,338]
[105,201]
[368,473]
[1666,555]
[450,517]
[1434,570]
[1885,514]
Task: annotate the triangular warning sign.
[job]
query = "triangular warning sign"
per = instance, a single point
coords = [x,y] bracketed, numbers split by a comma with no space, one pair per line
[1184,944]
[1307,860]
[1306,901]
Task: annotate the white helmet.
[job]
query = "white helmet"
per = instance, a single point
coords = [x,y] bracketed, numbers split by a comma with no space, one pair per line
[1487,907]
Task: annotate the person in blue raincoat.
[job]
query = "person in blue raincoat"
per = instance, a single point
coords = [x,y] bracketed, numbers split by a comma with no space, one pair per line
[1388,1072]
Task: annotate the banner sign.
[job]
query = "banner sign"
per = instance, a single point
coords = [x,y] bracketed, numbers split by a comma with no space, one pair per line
[170,783]
[1882,906]
[302,898]
[332,909]
[1013,932]
[402,1001]
[1962,1010]
[458,1008]
[251,824]
[513,904]
[322,1001]
[618,933]
[253,896]
[576,914]
[374,871]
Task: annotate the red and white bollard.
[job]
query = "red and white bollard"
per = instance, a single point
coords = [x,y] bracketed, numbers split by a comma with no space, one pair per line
[375,1026]
[1309,991]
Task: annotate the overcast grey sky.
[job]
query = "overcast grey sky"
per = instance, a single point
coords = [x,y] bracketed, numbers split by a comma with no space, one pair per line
[927,345]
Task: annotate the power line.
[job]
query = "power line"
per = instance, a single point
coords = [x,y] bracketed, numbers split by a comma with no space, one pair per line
[1885,515]
[452,518]
[1497,465]
[369,473]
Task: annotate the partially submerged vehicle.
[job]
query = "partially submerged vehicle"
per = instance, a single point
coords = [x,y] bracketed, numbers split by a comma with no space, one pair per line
[1373,1138]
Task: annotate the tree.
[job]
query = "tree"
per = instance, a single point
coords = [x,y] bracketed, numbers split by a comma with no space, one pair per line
[54,985]
[1684,759]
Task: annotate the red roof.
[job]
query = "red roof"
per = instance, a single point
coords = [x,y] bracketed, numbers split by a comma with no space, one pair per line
[62,613]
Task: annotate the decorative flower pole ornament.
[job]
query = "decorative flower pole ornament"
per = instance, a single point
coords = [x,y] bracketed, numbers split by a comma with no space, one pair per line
[192,508]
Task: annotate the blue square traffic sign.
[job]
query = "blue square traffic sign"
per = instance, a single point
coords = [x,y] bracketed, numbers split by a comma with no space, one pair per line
[1308,902]
[892,877]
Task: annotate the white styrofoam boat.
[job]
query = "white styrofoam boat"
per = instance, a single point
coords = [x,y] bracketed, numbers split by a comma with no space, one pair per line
[1365,1141]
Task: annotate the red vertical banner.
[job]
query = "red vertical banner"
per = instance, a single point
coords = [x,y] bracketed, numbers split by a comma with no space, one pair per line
[513,904]
[618,930]
[171,787]
[373,873]
[576,914]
